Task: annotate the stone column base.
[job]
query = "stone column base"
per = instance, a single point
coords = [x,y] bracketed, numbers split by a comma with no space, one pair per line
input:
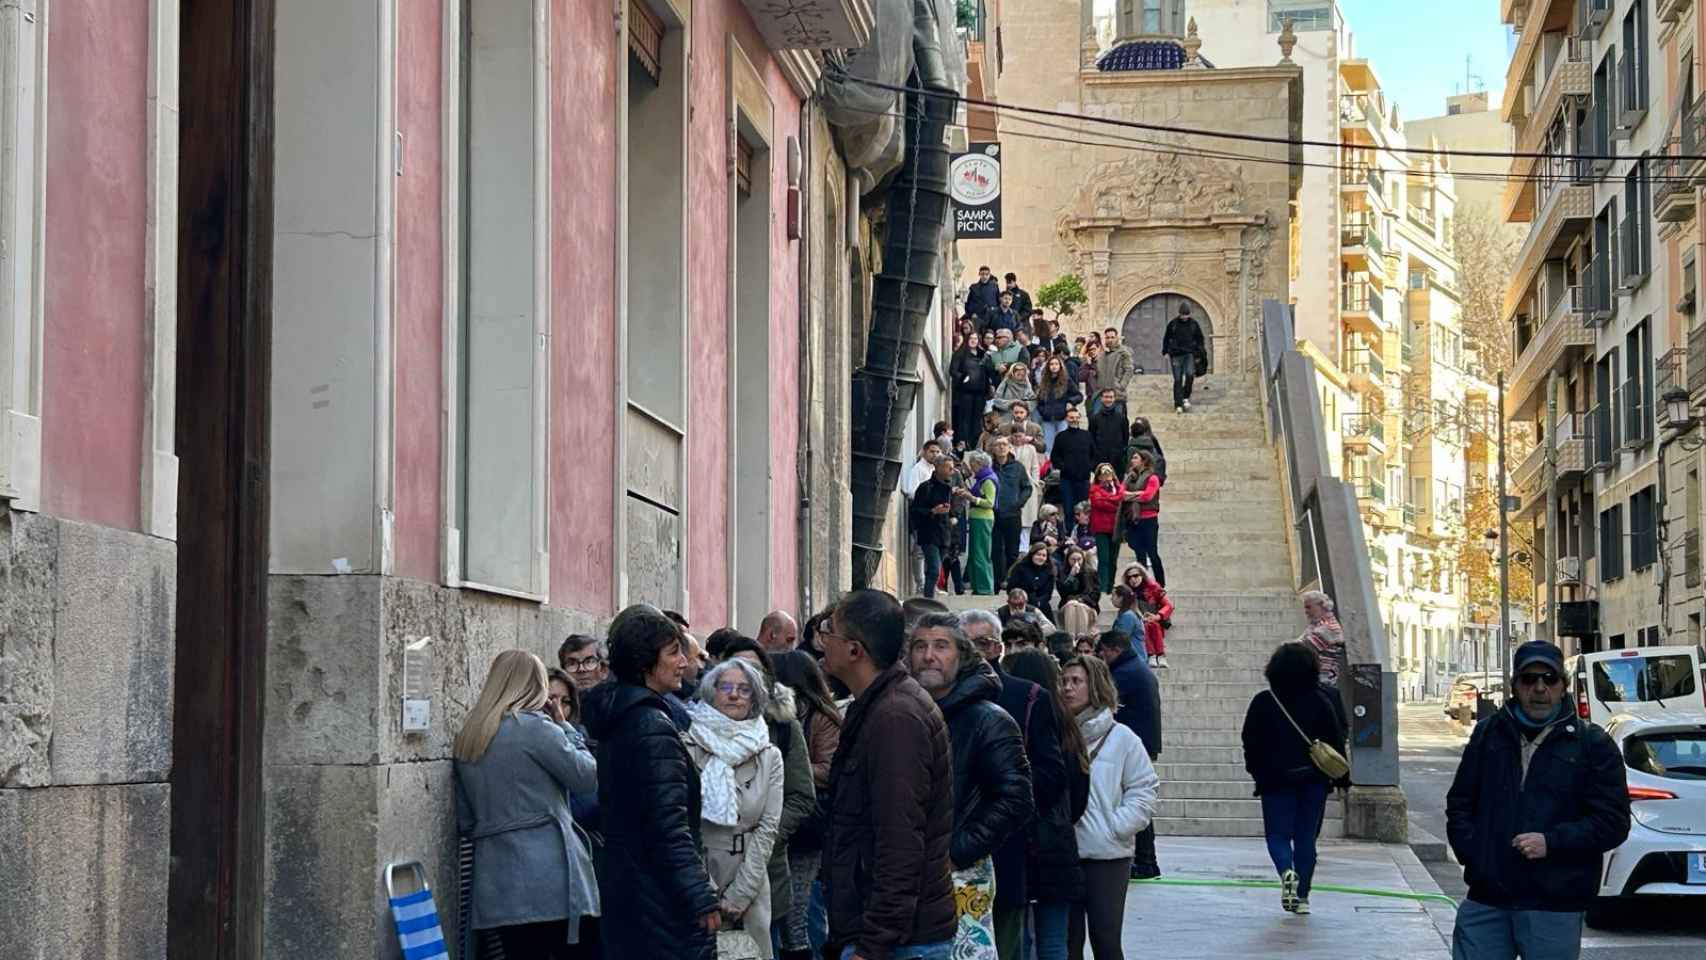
[1381,814]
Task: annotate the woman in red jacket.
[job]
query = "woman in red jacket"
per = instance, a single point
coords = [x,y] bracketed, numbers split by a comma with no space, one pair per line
[1154,607]
[1143,512]
[1107,496]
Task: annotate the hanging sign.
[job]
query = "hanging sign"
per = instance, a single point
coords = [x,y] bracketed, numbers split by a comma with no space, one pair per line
[974,181]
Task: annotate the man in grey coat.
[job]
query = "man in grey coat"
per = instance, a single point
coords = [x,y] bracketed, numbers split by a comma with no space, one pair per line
[1013,490]
[1114,367]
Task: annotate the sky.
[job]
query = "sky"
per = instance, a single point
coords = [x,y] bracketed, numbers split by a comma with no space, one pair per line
[1418,48]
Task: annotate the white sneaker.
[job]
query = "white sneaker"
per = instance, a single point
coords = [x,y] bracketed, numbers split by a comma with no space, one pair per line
[1178,409]
[1288,891]
[1187,404]
[1302,908]
[1152,662]
[1163,660]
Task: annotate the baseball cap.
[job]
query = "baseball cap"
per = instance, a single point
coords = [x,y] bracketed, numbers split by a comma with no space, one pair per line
[1538,651]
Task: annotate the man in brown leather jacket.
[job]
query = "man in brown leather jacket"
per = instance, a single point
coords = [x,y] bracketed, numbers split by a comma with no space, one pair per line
[886,872]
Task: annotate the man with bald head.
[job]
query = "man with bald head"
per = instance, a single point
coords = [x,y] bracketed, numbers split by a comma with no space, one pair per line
[778,633]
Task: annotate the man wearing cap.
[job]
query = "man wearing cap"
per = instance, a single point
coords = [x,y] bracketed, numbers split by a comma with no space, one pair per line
[1539,798]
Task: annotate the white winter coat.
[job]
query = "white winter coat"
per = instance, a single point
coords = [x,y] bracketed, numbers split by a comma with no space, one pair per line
[1123,786]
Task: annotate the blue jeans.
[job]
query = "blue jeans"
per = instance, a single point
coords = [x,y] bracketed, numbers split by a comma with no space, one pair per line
[1292,820]
[932,568]
[1488,933]
[1072,493]
[1184,376]
[1051,429]
[917,951]
[1049,925]
[817,920]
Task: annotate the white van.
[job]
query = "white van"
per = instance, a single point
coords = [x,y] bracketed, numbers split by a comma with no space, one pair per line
[1641,681]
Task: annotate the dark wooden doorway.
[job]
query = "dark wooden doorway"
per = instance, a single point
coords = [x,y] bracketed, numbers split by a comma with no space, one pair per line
[1147,322]
[225,205]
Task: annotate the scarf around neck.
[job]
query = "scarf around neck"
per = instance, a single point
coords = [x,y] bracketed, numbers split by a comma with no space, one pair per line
[1095,725]
[729,744]
[987,473]
[1564,711]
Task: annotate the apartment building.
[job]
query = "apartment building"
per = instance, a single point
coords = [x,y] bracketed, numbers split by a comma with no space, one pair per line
[1590,309]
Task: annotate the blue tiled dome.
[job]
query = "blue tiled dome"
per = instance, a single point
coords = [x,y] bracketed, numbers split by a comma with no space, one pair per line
[1143,55]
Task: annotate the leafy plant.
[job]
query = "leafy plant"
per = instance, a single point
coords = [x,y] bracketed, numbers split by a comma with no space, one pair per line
[965,13]
[1062,294]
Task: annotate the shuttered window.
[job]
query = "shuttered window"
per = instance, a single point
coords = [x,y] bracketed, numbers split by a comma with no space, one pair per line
[645,38]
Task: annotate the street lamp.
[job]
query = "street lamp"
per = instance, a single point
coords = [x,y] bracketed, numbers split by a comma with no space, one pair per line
[1679,414]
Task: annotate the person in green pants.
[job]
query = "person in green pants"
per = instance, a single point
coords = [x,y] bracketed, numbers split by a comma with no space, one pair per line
[980,513]
[1107,497]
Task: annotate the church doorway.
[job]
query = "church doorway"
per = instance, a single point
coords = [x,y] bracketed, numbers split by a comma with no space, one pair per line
[1147,322]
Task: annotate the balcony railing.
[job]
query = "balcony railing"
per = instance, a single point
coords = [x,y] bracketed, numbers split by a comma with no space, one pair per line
[1368,488]
[1673,197]
[1366,362]
[1361,296]
[1364,425]
[1693,132]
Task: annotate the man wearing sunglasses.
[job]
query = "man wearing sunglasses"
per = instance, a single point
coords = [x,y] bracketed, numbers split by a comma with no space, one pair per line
[1539,798]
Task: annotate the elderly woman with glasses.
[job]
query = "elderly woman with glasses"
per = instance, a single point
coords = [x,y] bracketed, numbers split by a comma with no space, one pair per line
[1324,636]
[740,775]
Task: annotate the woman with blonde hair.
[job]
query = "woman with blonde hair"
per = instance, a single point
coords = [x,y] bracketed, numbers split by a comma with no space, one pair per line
[1123,788]
[517,761]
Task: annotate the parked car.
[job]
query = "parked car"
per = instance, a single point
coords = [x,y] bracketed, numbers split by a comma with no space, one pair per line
[1468,689]
[1665,854]
[1642,681]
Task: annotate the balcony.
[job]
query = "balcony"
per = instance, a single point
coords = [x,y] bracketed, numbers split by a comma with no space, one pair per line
[1367,372]
[1673,195]
[1671,11]
[1541,17]
[1363,432]
[1364,112]
[1359,241]
[1560,334]
[1569,438]
[1631,96]
[812,24]
[1362,306]
[1570,75]
[1565,210]
[1692,131]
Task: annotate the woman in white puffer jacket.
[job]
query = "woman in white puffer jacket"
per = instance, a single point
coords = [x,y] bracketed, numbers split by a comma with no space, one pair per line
[1123,787]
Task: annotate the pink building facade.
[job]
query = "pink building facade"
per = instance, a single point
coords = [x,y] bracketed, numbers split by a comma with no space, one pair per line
[563,300]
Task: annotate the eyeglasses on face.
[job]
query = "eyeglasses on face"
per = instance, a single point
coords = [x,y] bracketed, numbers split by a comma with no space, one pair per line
[582,664]
[741,690]
[1547,679]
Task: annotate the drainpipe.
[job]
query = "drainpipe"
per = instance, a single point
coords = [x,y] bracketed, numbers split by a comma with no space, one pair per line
[1552,531]
[885,389]
[807,376]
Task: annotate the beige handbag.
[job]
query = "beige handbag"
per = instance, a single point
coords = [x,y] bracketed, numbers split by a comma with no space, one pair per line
[1328,760]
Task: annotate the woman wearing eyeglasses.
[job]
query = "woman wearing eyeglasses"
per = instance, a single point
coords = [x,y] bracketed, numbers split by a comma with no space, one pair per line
[740,776]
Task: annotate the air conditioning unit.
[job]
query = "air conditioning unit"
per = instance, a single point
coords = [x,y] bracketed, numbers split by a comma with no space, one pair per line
[1570,571]
[1597,14]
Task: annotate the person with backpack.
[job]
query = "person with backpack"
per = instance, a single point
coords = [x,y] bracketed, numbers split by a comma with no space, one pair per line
[1281,729]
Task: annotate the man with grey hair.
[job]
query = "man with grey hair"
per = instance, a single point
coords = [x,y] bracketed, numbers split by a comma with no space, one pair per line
[1033,708]
[1324,635]
[992,793]
[778,633]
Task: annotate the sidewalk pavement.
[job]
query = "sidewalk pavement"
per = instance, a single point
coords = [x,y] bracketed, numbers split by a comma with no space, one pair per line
[1234,923]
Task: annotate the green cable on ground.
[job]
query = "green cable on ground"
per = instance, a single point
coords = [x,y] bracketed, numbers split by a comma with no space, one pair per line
[1274,885]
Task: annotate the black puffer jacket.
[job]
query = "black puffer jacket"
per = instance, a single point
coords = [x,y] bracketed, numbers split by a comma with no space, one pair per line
[648,790]
[1037,582]
[1576,794]
[1109,429]
[1033,708]
[992,778]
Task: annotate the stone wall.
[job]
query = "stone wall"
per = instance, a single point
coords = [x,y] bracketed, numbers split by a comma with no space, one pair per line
[347,791]
[86,666]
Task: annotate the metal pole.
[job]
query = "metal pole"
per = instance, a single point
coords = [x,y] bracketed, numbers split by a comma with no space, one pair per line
[1552,523]
[1504,547]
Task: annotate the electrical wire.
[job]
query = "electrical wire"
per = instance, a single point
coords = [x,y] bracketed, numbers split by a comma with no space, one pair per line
[842,76]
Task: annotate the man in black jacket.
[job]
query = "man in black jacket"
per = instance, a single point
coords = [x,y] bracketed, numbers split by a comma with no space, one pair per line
[1033,708]
[1012,491]
[983,297]
[1539,798]
[992,778]
[1182,343]
[932,516]
[1140,709]
[1074,455]
[1110,430]
[1022,306]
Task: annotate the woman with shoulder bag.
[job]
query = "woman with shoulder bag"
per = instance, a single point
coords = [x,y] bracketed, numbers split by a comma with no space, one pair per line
[1294,742]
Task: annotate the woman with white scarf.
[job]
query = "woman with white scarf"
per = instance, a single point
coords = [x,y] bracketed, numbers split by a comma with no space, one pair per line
[1123,788]
[740,774]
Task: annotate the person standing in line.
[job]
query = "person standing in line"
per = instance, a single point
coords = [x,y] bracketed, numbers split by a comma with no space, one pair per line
[973,376]
[803,930]
[517,760]
[1023,308]
[1139,709]
[1109,428]
[1019,415]
[659,903]
[1087,382]
[740,773]
[1324,636]
[1054,877]
[1056,394]
[1023,449]
[583,659]
[1123,788]
[1002,318]
[984,296]
[778,632]
[1181,343]
[921,468]
[1004,353]
[932,515]
[1114,366]
[1143,513]
[992,777]
[1143,438]
[980,516]
[1538,800]
[1107,497]
[887,876]
[1153,609]
[1073,453]
[1013,491]
[1276,753]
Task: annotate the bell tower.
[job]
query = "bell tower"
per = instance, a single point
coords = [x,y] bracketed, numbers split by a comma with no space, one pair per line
[1149,20]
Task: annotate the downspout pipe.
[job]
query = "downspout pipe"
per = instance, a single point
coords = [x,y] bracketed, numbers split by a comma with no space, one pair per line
[808,372]
[885,388]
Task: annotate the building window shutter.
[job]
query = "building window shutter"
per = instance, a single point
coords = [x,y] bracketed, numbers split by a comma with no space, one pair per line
[645,39]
